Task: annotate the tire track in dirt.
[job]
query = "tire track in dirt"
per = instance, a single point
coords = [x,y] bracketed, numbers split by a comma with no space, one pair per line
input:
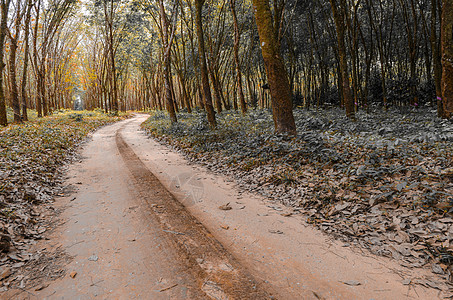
[217,272]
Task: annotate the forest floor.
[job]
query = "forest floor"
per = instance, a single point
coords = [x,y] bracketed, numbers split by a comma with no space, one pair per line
[111,228]
[31,113]
[384,182]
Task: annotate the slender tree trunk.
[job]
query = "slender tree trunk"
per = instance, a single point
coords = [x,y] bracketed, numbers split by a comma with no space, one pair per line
[113,95]
[167,64]
[25,67]
[203,67]
[236,58]
[35,62]
[215,87]
[14,37]
[437,63]
[338,16]
[3,23]
[13,81]
[42,74]
[282,109]
[185,94]
[447,58]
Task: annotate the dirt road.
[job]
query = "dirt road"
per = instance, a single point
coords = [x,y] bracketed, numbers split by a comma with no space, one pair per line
[130,238]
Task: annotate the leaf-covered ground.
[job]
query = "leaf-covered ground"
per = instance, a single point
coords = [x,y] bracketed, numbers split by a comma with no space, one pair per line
[31,113]
[384,182]
[31,157]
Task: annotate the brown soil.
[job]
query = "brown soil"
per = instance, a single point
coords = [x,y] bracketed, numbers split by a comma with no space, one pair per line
[217,273]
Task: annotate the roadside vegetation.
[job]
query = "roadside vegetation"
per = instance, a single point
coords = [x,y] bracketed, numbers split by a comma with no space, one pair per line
[32,115]
[384,182]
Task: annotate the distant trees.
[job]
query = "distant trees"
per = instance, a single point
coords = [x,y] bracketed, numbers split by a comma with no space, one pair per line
[344,53]
[218,55]
[34,33]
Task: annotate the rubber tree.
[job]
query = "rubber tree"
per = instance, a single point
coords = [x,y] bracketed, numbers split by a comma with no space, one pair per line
[203,66]
[26,61]
[14,35]
[109,13]
[339,19]
[237,36]
[3,31]
[166,45]
[282,109]
[53,15]
[437,63]
[447,58]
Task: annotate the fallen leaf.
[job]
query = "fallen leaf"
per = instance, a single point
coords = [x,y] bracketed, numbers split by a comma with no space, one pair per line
[18,265]
[167,288]
[93,258]
[318,296]
[4,273]
[406,281]
[225,206]
[437,269]
[352,282]
[14,256]
[73,274]
[42,286]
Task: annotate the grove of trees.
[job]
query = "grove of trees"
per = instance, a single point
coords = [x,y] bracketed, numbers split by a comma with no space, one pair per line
[219,55]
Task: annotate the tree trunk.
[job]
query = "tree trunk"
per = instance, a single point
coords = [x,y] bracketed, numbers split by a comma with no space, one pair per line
[215,87]
[338,16]
[13,81]
[23,95]
[282,110]
[447,58]
[203,67]
[167,64]
[13,37]
[437,63]
[113,95]
[35,61]
[3,23]
[236,58]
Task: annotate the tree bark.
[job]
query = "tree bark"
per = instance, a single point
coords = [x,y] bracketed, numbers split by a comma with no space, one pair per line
[23,95]
[203,67]
[437,63]
[167,63]
[237,37]
[447,58]
[3,23]
[338,16]
[111,57]
[35,61]
[14,37]
[282,110]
